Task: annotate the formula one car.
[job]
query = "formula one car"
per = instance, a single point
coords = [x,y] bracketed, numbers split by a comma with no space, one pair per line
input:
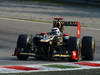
[56,44]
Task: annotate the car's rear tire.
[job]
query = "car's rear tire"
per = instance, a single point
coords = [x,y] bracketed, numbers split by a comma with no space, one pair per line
[88,48]
[74,47]
[23,44]
[73,43]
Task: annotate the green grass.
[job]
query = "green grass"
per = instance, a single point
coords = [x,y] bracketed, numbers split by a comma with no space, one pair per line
[61,66]
[32,20]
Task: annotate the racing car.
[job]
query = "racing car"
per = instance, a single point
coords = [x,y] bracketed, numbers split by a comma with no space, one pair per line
[56,44]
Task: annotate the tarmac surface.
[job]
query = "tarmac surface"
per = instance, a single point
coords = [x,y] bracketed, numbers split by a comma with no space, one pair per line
[79,72]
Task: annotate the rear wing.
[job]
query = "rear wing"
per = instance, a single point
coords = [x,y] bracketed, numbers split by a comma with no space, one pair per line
[71,23]
[75,24]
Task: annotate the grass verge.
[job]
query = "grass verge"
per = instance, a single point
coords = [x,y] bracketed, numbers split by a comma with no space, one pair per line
[61,66]
[32,20]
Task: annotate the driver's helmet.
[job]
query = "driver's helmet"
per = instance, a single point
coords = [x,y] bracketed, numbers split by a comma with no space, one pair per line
[55,31]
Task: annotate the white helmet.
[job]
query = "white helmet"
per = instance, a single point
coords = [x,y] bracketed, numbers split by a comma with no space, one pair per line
[55,31]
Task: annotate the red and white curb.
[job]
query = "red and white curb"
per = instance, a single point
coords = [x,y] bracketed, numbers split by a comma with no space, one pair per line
[42,67]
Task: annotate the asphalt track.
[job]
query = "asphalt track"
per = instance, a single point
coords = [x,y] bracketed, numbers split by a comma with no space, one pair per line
[75,72]
[10,29]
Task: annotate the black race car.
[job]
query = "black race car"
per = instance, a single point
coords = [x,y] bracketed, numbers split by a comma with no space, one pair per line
[56,44]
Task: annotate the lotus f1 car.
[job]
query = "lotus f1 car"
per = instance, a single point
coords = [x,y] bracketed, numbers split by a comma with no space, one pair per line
[56,44]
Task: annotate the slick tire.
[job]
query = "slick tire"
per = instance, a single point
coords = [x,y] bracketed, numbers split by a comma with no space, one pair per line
[88,48]
[73,43]
[22,41]
[23,44]
[73,46]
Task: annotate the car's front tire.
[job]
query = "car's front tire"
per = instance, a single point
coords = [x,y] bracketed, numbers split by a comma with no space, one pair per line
[74,49]
[23,44]
[88,48]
